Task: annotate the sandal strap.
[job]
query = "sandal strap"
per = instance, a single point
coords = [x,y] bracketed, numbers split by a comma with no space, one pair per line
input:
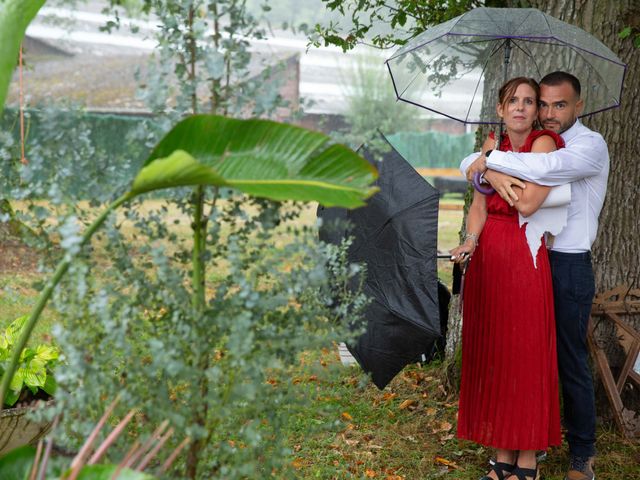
[502,469]
[524,473]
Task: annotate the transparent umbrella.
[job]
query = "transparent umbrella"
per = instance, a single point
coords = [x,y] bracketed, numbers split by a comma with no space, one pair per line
[455,68]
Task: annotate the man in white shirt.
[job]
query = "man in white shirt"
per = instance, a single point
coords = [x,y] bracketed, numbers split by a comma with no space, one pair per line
[584,162]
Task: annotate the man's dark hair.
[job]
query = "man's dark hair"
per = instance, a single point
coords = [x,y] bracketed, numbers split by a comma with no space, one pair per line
[554,79]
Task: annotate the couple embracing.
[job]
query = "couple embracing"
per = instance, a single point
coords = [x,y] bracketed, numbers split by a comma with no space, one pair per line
[527,304]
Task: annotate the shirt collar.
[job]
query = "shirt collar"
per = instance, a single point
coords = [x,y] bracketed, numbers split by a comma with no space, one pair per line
[567,135]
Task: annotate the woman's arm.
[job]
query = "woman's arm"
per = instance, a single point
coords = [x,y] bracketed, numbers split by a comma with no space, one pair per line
[489,144]
[475,223]
[531,197]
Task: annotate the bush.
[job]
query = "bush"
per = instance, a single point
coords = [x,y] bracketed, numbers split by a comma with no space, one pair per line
[219,377]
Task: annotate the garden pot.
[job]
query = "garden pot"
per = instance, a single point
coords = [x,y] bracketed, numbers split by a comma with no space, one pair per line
[17,430]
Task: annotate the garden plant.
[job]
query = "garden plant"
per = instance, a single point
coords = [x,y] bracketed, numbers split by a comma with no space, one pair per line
[208,354]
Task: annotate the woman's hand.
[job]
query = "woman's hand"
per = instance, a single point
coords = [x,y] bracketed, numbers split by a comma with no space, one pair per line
[463,252]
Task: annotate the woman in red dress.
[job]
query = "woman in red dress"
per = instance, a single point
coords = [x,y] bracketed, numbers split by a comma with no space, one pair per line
[509,390]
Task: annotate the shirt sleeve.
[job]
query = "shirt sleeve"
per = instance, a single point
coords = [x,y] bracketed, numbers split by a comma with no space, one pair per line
[466,163]
[584,157]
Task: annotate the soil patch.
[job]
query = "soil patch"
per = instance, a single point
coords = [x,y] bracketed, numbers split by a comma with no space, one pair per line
[15,256]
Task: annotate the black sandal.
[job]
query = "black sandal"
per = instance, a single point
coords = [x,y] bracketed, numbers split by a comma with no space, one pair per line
[502,470]
[524,473]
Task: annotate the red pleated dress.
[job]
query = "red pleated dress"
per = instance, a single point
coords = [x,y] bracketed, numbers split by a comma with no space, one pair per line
[509,387]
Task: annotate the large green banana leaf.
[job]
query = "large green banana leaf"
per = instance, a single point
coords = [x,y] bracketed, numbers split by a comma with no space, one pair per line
[15,15]
[259,157]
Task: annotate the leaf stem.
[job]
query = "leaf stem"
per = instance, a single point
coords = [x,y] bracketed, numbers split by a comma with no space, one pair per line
[197,260]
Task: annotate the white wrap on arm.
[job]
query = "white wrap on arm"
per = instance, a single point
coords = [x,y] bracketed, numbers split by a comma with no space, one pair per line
[550,217]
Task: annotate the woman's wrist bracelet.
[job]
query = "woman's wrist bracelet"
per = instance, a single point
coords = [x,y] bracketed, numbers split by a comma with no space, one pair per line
[473,237]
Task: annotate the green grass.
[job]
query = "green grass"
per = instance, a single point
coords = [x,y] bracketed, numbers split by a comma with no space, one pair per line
[408,430]
[17,298]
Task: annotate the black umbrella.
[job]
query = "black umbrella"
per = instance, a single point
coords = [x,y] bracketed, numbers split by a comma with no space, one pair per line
[395,235]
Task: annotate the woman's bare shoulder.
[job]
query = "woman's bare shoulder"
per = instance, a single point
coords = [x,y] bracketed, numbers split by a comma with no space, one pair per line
[544,143]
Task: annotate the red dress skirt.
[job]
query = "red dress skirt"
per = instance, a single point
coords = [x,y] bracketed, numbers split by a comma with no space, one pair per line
[509,390]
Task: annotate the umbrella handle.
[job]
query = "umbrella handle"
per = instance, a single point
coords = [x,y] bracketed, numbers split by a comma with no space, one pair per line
[481,187]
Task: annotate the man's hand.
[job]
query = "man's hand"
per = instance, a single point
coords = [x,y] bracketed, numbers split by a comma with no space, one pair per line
[503,184]
[478,165]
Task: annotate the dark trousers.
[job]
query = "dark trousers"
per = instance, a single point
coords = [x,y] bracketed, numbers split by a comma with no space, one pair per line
[573,290]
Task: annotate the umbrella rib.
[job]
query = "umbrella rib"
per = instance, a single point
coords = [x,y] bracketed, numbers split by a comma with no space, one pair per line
[416,47]
[498,29]
[544,15]
[525,19]
[602,82]
[432,193]
[530,55]
[484,67]
[457,21]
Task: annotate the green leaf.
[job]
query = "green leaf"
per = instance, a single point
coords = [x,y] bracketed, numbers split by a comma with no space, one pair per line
[12,332]
[47,353]
[105,472]
[625,32]
[17,381]
[15,15]
[16,464]
[11,398]
[50,385]
[179,169]
[258,157]
[34,373]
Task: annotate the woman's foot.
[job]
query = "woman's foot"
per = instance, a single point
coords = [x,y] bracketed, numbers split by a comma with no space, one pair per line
[503,465]
[520,473]
[526,467]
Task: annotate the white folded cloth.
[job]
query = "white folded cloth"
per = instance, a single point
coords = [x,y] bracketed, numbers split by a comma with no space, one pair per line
[551,217]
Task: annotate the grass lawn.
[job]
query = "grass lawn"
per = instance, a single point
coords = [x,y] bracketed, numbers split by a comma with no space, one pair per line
[407,431]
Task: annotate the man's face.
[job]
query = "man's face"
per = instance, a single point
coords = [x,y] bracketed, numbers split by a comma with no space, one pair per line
[559,107]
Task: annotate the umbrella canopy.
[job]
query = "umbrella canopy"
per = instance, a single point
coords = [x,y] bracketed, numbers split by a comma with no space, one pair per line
[395,235]
[451,68]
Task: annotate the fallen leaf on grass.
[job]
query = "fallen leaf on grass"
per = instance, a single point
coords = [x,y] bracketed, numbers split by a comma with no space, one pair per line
[297,463]
[443,427]
[370,473]
[446,438]
[346,416]
[389,396]
[407,404]
[447,463]
[430,411]
[351,443]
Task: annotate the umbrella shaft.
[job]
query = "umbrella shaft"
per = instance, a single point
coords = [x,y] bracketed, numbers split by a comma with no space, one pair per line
[507,59]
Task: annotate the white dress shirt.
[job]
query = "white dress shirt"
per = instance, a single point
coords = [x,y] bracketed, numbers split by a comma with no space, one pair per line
[584,162]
